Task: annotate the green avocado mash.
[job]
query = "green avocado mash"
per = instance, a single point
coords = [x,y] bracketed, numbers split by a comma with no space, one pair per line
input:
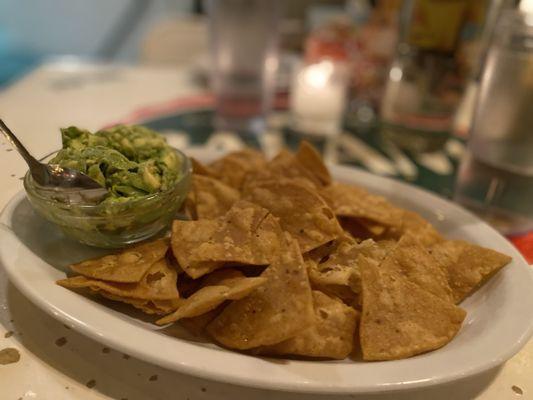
[130,161]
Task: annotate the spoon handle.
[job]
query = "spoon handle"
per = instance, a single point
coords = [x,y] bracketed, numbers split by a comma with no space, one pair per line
[10,136]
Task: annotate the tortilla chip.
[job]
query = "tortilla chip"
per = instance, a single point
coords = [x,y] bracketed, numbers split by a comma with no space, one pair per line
[232,168]
[197,325]
[220,286]
[312,161]
[187,286]
[159,283]
[331,335]
[201,169]
[301,212]
[412,261]
[158,307]
[247,234]
[276,311]
[354,228]
[467,266]
[287,165]
[374,229]
[340,266]
[128,266]
[399,318]
[382,249]
[188,208]
[327,283]
[212,197]
[355,202]
[321,253]
[413,224]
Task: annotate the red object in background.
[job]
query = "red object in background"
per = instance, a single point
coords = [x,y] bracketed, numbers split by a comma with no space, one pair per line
[524,244]
[330,42]
[366,50]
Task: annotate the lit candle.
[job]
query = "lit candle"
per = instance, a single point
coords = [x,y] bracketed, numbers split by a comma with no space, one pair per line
[318,98]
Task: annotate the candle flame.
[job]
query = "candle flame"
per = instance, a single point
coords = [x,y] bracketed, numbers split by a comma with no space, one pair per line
[317,75]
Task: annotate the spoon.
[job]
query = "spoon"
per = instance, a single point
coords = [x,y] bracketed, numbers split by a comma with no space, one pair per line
[63,184]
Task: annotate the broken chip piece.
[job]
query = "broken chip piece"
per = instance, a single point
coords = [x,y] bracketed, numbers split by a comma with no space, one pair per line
[340,268]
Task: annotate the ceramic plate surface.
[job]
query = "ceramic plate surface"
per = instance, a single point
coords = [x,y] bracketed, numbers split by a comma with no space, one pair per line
[499,322]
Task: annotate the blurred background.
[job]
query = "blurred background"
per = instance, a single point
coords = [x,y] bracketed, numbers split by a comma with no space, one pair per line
[438,93]
[30,31]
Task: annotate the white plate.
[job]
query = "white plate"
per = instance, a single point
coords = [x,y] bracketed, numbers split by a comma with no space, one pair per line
[498,324]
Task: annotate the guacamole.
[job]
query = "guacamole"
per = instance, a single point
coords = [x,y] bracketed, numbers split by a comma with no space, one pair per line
[130,161]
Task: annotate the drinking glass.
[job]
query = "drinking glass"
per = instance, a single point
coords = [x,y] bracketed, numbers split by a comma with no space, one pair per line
[244,60]
[496,177]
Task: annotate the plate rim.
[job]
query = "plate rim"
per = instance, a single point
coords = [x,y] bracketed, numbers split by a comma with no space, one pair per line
[224,376]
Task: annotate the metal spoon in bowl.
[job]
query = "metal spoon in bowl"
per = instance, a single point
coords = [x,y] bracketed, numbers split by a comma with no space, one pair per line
[63,184]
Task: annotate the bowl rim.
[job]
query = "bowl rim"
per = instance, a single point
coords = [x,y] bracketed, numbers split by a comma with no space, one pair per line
[185,169]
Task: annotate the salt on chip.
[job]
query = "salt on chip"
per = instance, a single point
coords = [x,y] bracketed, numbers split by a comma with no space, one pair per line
[330,336]
[158,283]
[412,261]
[212,197]
[233,168]
[248,234]
[158,307]
[275,312]
[355,202]
[467,265]
[129,266]
[301,212]
[223,285]
[400,319]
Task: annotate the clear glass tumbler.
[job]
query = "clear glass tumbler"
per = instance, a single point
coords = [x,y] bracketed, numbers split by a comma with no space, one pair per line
[244,60]
[496,177]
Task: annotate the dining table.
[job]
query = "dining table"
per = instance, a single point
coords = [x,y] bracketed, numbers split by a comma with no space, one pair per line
[58,363]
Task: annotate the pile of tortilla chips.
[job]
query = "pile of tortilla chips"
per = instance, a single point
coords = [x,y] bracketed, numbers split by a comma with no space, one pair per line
[277,259]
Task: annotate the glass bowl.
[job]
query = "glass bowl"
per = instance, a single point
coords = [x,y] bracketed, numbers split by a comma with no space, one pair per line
[118,224]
